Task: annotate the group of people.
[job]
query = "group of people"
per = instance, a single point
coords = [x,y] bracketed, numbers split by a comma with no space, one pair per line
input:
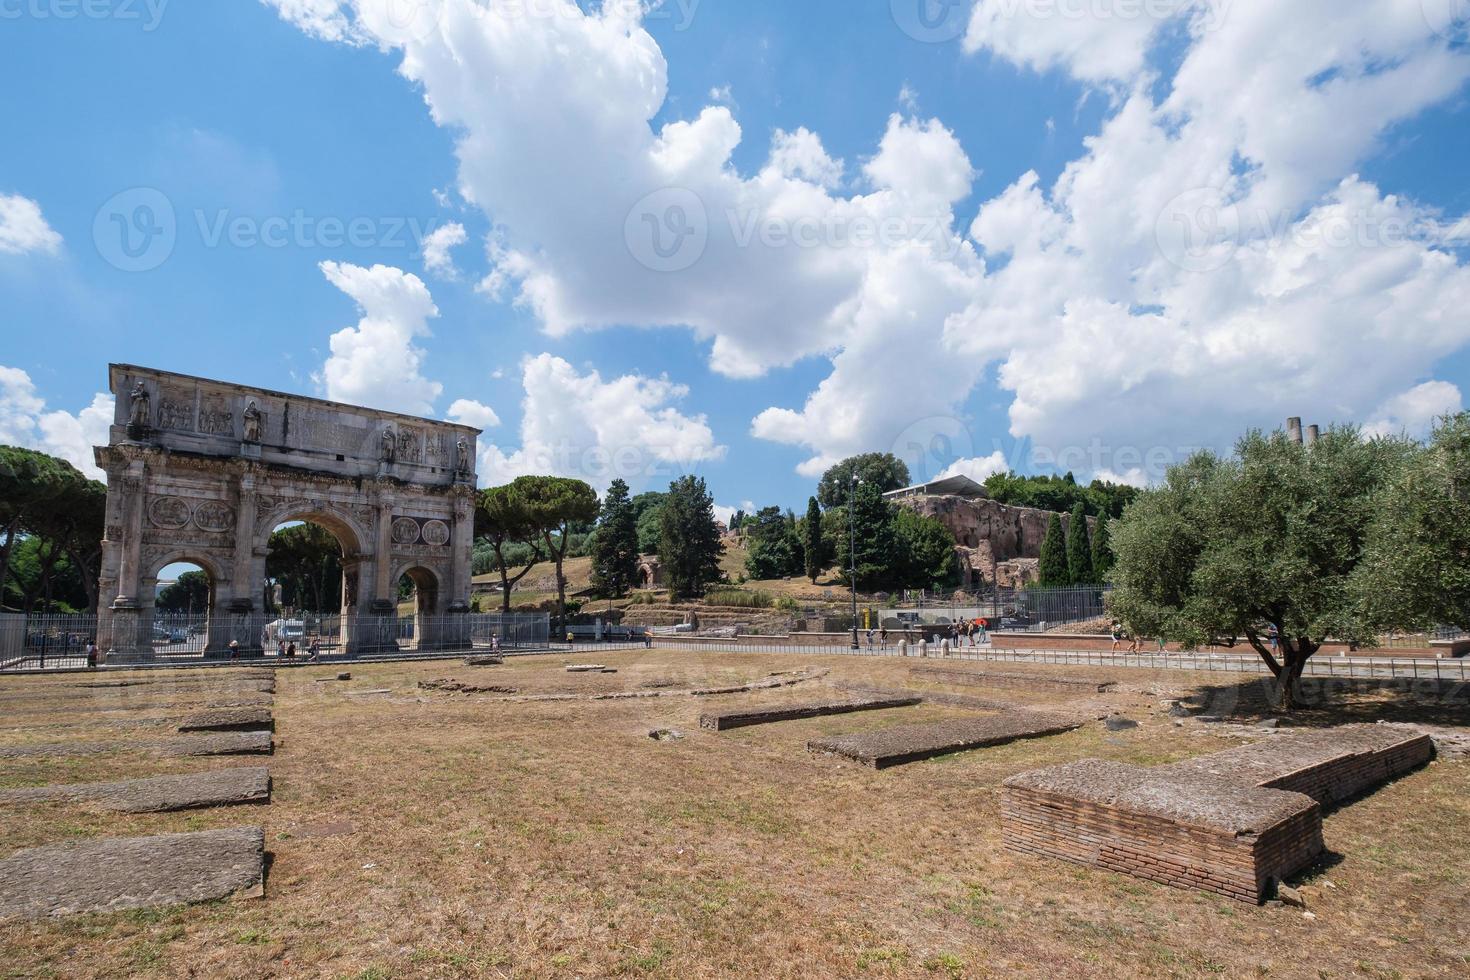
[976,631]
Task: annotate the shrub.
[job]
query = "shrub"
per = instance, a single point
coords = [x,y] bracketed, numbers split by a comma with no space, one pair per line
[741,598]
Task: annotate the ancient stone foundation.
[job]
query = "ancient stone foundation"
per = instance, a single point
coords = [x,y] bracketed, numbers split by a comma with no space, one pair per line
[1027,682]
[1231,823]
[914,743]
[723,721]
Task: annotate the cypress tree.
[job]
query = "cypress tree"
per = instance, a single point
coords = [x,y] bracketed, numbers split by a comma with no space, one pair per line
[1054,571]
[689,541]
[813,547]
[615,547]
[1102,551]
[1079,549]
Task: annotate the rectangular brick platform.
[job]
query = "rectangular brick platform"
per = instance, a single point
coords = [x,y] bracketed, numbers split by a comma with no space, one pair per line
[914,743]
[1229,823]
[1331,766]
[995,678]
[723,721]
[229,720]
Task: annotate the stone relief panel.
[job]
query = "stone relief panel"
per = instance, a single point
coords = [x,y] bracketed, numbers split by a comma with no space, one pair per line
[175,409]
[169,513]
[216,419]
[211,515]
[406,531]
[410,446]
[436,533]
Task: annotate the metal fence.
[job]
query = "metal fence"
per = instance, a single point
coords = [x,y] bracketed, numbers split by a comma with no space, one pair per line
[1029,610]
[43,642]
[1322,665]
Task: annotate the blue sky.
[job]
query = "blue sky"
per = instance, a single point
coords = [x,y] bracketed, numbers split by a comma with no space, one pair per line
[1064,321]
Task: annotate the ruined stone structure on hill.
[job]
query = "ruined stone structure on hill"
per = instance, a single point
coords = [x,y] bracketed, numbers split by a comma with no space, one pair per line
[996,544]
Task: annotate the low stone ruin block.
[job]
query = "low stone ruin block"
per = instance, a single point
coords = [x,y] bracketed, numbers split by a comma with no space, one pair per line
[1331,766]
[222,743]
[724,721]
[1174,828]
[914,743]
[1171,823]
[133,873]
[229,720]
[1032,682]
[159,794]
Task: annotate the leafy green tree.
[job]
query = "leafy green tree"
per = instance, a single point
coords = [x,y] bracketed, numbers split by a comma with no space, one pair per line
[1271,537]
[646,509]
[813,545]
[306,561]
[1055,573]
[1079,549]
[689,540]
[1416,573]
[615,551]
[555,507]
[884,471]
[513,539]
[38,494]
[190,594]
[924,552]
[873,520]
[774,550]
[1102,551]
[1060,494]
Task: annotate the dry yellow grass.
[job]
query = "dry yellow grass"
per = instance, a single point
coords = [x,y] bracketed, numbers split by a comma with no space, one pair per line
[423,834]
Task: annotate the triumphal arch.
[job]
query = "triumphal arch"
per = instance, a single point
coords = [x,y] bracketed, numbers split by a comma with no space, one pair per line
[204,471]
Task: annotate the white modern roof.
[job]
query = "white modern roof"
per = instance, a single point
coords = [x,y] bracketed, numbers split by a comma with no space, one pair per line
[950,486]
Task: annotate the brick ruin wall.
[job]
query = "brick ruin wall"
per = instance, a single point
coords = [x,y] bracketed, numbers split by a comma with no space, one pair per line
[997,544]
[1157,848]
[1156,843]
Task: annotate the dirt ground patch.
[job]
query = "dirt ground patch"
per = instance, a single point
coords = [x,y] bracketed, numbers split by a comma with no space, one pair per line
[424,835]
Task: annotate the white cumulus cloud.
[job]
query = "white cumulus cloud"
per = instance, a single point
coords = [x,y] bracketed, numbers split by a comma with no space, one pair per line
[438,246]
[23,228]
[472,413]
[580,425]
[1415,411]
[25,422]
[1209,262]
[376,363]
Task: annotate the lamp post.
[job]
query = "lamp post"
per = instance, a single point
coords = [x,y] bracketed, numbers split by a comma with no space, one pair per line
[852,553]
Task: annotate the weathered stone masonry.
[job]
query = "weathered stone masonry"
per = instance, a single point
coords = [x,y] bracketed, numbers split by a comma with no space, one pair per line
[204,471]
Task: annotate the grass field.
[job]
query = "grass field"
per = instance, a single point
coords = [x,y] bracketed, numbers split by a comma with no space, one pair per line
[424,834]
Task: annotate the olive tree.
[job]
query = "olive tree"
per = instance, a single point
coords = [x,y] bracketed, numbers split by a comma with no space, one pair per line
[1270,538]
[1416,574]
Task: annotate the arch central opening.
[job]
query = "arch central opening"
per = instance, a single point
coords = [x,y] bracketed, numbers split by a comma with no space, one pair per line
[309,593]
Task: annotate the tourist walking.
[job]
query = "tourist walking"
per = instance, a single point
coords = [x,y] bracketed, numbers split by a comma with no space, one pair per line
[91,653]
[234,649]
[883,638]
[1117,630]
[291,650]
[314,651]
